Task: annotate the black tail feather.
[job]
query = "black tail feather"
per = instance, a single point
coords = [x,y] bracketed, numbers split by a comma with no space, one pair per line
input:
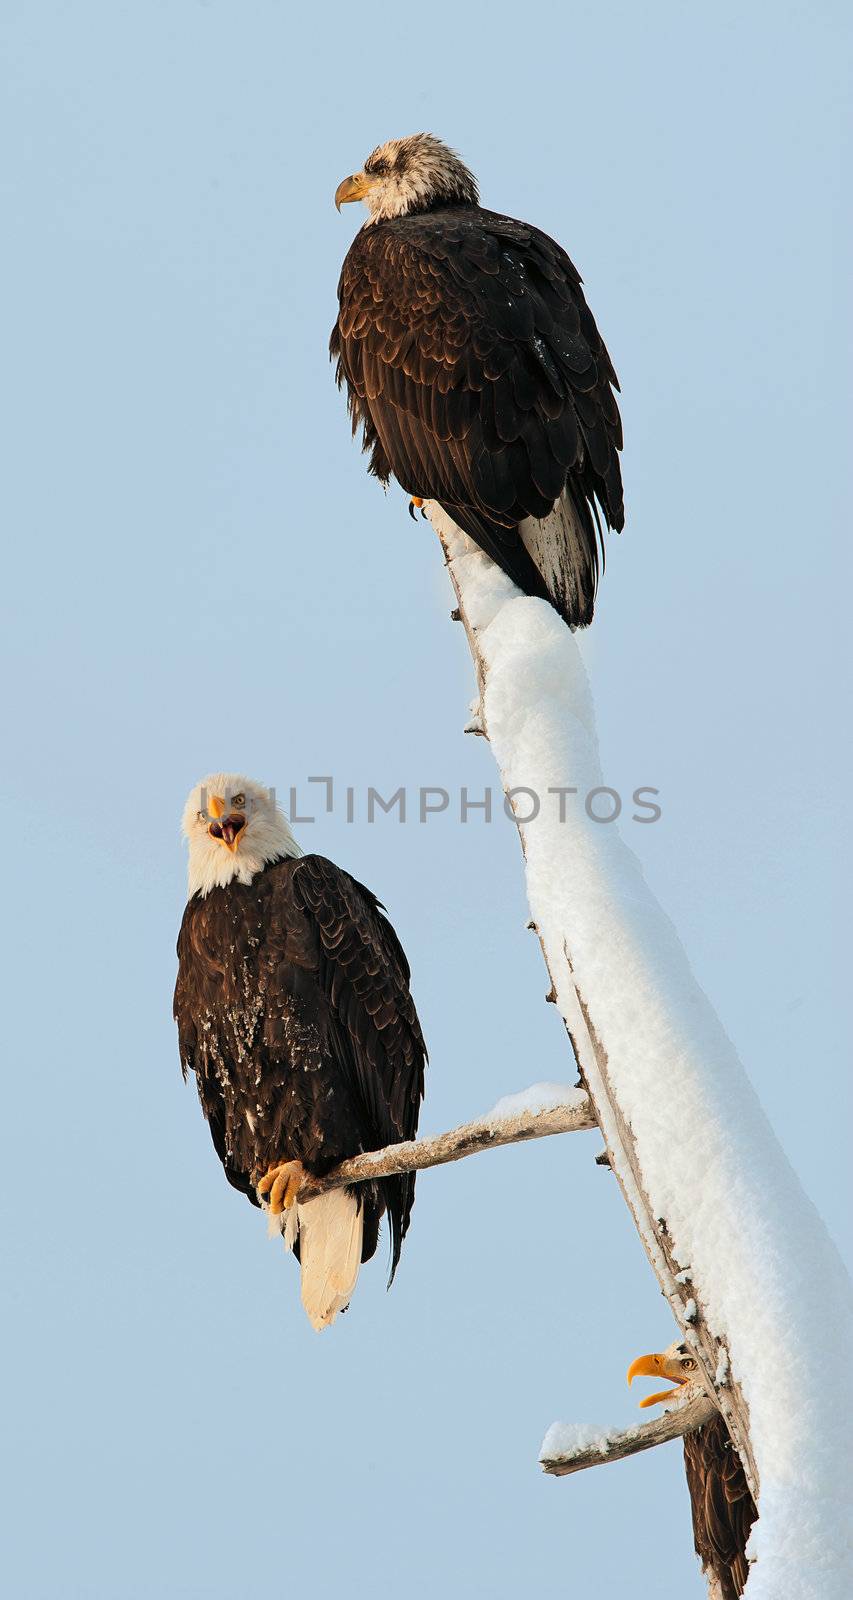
[399,1195]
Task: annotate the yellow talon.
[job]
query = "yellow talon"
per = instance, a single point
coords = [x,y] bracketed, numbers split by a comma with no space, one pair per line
[282,1183]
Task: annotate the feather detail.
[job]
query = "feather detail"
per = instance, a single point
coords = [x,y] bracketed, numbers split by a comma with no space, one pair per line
[722,1506]
[564,549]
[295,1016]
[329,1232]
[477,365]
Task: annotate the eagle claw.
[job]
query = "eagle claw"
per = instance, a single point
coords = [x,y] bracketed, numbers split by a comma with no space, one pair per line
[281,1184]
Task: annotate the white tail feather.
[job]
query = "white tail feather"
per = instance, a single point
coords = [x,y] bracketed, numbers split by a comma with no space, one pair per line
[329,1230]
[559,547]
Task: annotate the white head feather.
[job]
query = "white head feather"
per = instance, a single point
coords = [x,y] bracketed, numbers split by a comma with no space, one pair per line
[265,836]
[414,173]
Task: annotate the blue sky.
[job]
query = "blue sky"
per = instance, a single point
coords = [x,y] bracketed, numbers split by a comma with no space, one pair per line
[200,575]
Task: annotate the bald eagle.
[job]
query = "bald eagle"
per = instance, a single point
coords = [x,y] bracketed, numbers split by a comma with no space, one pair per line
[294,1012]
[723,1508]
[477,373]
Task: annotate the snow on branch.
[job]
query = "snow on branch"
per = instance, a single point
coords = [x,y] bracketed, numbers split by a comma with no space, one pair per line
[570,1447]
[755,1284]
[529,1115]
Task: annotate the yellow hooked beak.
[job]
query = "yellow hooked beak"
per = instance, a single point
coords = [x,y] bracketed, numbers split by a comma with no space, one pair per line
[226,830]
[657,1366]
[355,187]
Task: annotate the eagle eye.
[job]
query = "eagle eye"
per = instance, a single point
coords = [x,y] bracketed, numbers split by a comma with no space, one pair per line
[238,799]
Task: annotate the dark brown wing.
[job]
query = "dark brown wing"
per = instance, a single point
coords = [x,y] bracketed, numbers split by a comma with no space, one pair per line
[292,1002]
[477,371]
[377,1037]
[723,1508]
[202,978]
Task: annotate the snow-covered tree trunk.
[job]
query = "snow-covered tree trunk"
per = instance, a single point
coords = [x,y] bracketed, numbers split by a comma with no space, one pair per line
[754,1283]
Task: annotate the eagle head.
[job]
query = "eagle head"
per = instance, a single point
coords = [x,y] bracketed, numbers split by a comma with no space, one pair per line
[676,1364]
[409,175]
[234,829]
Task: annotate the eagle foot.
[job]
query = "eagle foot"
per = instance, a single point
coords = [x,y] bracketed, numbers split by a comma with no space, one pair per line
[416,504]
[282,1184]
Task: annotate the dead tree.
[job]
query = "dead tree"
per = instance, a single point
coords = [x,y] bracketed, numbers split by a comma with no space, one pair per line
[749,1272]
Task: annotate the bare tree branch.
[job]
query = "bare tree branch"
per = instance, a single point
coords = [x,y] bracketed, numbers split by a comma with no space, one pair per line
[416,1154]
[683,1418]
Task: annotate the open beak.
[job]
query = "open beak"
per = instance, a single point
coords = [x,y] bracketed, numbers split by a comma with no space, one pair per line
[354,187]
[656,1366]
[228,830]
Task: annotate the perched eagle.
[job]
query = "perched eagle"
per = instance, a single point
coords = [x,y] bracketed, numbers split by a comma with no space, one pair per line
[294,1013]
[477,373]
[722,1506]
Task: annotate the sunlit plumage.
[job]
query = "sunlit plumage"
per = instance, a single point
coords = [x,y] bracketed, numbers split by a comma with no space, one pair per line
[476,372]
[294,1014]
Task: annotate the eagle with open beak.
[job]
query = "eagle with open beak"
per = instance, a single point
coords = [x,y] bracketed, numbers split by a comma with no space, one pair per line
[723,1508]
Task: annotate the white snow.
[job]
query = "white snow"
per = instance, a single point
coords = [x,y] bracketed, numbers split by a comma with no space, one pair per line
[539,1097]
[570,1438]
[575,1438]
[770,1282]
